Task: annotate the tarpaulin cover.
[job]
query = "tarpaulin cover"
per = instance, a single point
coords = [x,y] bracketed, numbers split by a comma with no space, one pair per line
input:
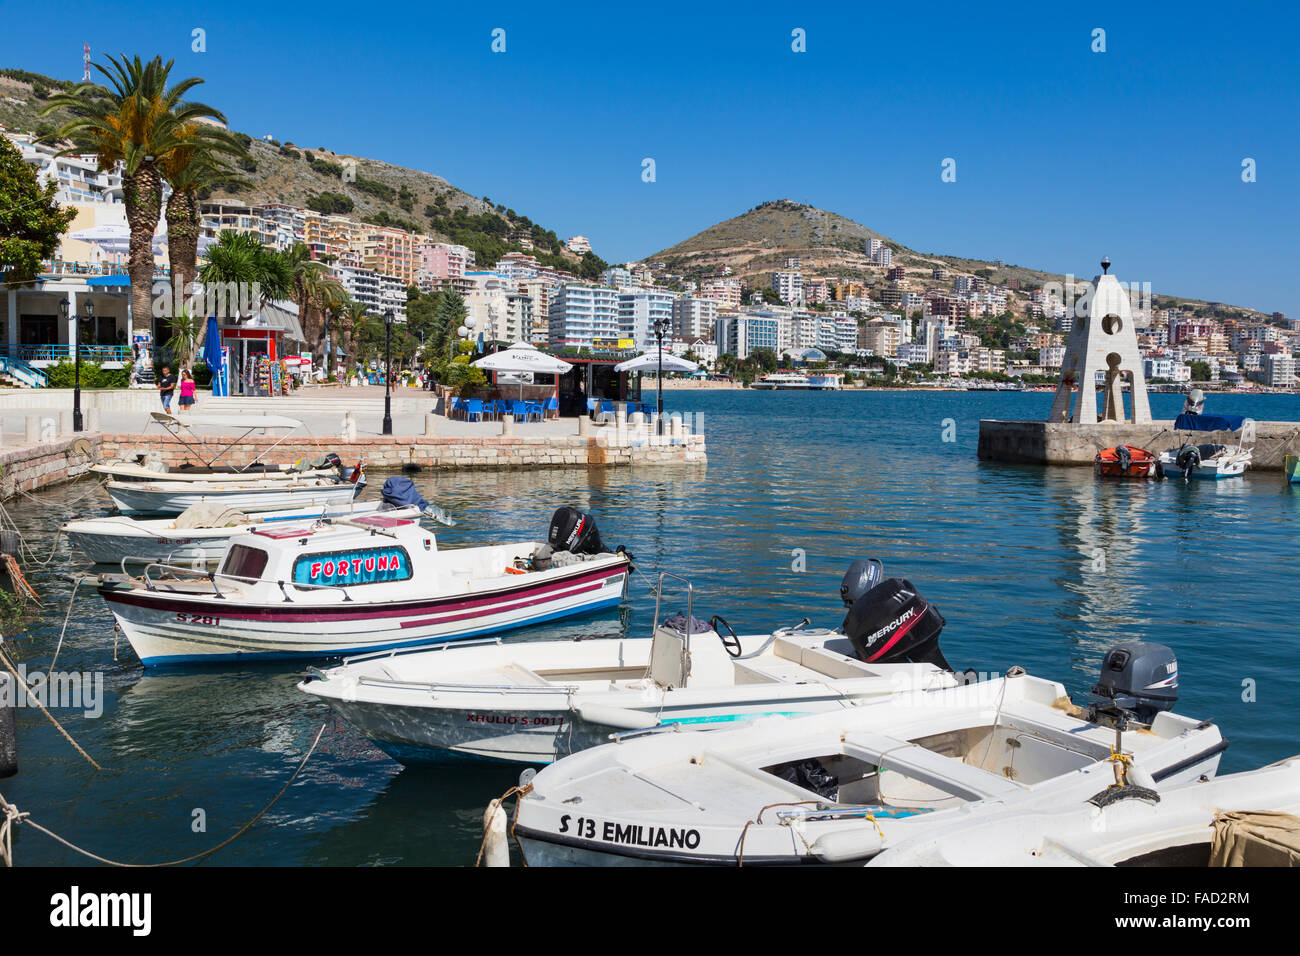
[1209,423]
[400,492]
[1257,838]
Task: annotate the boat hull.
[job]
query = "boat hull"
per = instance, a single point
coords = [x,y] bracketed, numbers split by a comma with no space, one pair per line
[166,627]
[140,498]
[1291,469]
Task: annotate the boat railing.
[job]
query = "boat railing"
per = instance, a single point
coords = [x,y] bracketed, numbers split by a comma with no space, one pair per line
[418,649]
[690,599]
[212,576]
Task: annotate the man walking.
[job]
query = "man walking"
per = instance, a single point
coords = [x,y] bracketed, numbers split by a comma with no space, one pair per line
[166,386]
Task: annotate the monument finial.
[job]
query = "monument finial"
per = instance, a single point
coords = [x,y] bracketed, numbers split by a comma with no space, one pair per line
[1105,264]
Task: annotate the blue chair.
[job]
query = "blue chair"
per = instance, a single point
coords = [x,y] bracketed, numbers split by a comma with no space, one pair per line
[457,406]
[552,404]
[498,408]
[474,410]
[532,410]
[519,409]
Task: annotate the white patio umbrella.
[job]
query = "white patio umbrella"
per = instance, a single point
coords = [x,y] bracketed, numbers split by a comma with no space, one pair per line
[522,357]
[114,237]
[651,361]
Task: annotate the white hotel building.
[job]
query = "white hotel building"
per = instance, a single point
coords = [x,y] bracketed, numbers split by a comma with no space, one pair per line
[579,314]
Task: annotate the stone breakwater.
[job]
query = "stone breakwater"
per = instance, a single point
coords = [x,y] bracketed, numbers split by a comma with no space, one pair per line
[42,463]
[602,448]
[1058,443]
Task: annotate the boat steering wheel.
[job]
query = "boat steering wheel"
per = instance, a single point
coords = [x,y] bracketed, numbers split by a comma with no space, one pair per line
[730,642]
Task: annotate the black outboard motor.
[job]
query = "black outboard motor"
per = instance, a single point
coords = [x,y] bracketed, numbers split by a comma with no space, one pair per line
[862,575]
[1140,677]
[1188,459]
[892,623]
[574,531]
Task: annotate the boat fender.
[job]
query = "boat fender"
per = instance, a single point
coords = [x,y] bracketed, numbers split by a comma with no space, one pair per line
[846,846]
[620,717]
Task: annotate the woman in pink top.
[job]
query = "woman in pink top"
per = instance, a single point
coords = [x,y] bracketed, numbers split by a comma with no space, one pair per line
[187,390]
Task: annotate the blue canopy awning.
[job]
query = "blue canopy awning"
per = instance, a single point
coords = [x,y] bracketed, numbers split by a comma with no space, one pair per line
[112,281]
[1209,423]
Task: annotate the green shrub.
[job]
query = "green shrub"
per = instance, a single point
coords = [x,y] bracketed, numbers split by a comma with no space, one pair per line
[62,375]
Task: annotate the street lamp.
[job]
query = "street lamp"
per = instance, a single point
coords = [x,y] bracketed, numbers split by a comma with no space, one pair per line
[388,372]
[65,307]
[661,326]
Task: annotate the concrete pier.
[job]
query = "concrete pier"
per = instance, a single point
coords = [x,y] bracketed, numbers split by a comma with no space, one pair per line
[1059,443]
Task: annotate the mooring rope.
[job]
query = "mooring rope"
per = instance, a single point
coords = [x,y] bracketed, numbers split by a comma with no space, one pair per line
[4,659]
[497,802]
[58,647]
[13,815]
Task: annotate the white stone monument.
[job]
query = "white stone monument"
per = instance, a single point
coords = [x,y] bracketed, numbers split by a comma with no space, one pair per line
[1105,341]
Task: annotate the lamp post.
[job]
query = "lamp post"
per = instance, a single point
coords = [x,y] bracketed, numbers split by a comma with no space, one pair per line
[388,372]
[661,326]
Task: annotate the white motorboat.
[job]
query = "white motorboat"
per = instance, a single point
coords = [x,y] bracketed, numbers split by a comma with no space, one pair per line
[198,536]
[207,452]
[536,702]
[344,586]
[256,493]
[1240,819]
[1209,460]
[844,786]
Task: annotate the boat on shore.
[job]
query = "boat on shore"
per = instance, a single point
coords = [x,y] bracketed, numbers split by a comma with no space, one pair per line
[537,702]
[344,586]
[841,787]
[1125,461]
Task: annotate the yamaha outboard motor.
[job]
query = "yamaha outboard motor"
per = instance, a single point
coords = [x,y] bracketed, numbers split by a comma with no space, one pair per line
[862,575]
[893,623]
[574,531]
[1140,677]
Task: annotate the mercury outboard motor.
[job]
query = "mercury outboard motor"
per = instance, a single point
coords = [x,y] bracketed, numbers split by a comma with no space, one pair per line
[1188,459]
[862,575]
[1140,677]
[893,623]
[574,531]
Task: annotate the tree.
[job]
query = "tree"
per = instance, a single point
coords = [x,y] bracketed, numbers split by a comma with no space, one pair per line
[1200,371]
[240,261]
[186,331]
[31,222]
[764,358]
[190,168]
[138,122]
[312,289]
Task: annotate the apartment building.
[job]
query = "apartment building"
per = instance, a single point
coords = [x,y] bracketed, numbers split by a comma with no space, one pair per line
[639,310]
[488,304]
[789,286]
[579,245]
[77,177]
[578,314]
[740,333]
[694,318]
[726,292]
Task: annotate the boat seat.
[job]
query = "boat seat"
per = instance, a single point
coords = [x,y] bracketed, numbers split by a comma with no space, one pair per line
[833,665]
[522,675]
[771,671]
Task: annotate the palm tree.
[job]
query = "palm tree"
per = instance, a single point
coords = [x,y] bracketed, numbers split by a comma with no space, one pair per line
[195,166]
[313,290]
[186,335]
[138,122]
[353,319]
[242,263]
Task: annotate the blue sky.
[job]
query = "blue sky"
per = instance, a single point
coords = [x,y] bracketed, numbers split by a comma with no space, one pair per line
[1062,154]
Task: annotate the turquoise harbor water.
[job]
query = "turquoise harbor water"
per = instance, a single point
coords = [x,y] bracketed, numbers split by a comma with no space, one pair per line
[1042,567]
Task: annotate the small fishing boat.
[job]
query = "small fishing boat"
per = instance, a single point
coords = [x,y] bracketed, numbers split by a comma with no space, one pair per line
[338,586]
[1209,460]
[1239,819]
[844,786]
[252,493]
[1291,469]
[207,452]
[1124,461]
[538,701]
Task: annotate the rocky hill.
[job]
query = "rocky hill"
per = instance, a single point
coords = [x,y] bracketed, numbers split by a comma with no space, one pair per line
[317,177]
[757,243]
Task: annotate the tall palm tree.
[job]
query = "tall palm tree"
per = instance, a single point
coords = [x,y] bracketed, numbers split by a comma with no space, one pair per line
[313,289]
[196,165]
[353,320]
[137,122]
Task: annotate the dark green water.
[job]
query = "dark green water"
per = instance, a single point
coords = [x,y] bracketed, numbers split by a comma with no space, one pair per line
[1008,553]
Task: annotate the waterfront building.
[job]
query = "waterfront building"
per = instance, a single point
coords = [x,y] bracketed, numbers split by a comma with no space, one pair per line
[639,310]
[694,317]
[579,314]
[740,333]
[488,304]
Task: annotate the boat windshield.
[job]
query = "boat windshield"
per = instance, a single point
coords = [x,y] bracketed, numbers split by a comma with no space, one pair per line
[244,562]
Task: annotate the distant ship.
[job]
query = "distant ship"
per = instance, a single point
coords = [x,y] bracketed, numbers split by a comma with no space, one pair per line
[787,381]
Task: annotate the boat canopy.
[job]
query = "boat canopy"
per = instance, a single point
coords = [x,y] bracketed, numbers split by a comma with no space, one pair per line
[1209,423]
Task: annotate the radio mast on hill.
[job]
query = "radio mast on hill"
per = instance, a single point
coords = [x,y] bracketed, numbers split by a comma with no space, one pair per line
[85,59]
